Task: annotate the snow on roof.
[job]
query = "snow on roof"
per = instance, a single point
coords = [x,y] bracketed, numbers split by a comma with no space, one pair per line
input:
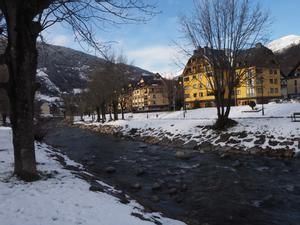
[46,98]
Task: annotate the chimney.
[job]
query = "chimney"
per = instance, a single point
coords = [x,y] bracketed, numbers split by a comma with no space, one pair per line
[198,50]
[259,45]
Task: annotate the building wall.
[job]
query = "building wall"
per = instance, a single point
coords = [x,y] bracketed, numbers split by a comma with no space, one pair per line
[198,92]
[149,98]
[45,109]
[293,86]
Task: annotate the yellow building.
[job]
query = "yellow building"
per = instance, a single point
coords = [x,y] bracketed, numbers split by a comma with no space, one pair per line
[260,79]
[150,94]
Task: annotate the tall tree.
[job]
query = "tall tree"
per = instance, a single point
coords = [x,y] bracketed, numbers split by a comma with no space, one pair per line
[22,22]
[226,28]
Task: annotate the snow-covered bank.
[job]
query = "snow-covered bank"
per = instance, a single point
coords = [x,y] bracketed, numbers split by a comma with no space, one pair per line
[274,131]
[62,198]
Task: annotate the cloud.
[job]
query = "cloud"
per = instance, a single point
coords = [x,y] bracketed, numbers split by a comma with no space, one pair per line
[156,59]
[61,40]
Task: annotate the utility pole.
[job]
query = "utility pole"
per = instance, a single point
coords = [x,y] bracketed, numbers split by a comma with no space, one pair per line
[262,96]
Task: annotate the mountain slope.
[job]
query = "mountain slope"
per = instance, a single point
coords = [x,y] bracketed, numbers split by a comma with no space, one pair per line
[62,69]
[284,43]
[287,51]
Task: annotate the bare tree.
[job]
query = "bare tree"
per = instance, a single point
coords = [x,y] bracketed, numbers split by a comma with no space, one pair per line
[107,84]
[226,28]
[22,22]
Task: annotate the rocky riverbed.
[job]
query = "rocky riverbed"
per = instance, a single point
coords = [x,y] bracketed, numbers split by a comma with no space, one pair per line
[227,143]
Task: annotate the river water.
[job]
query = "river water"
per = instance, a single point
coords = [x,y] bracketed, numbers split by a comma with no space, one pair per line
[204,189]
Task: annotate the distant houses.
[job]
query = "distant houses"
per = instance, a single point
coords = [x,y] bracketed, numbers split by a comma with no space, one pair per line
[293,82]
[150,94]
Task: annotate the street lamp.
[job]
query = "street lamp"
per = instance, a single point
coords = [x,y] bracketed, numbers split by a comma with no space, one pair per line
[183,97]
[262,96]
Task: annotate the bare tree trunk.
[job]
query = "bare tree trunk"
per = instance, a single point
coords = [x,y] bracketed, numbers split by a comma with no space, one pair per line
[115,109]
[98,114]
[21,56]
[4,118]
[103,112]
[122,111]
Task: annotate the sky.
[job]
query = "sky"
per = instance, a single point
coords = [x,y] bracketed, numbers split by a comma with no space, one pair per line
[151,45]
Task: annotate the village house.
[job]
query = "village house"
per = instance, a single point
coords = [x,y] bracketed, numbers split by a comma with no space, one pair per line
[293,83]
[260,78]
[150,94]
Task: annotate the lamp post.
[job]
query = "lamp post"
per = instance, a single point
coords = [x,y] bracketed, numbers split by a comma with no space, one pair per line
[183,98]
[262,96]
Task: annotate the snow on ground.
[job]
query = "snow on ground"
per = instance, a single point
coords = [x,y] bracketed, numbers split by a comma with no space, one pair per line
[276,124]
[62,199]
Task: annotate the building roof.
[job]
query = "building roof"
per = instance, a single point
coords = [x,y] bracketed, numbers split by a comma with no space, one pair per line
[294,73]
[157,79]
[259,56]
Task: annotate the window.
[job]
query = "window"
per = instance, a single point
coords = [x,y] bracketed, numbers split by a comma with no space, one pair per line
[154,96]
[271,81]
[194,77]
[210,93]
[195,86]
[259,90]
[238,92]
[195,95]
[250,91]
[186,79]
[154,103]
[271,71]
[275,71]
[259,71]
[275,81]
[295,82]
[276,90]
[201,94]
[187,96]
[272,90]
[201,86]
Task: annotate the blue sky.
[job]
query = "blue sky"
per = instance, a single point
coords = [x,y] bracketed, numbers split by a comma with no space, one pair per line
[150,46]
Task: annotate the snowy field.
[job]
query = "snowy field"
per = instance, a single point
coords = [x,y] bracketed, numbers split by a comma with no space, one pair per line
[62,199]
[276,125]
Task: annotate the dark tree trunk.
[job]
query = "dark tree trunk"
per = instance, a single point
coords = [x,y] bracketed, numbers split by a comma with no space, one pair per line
[98,114]
[115,109]
[122,111]
[21,54]
[103,112]
[110,116]
[4,118]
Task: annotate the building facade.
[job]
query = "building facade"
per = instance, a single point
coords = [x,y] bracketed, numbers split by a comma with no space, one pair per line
[150,94]
[259,75]
[293,83]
